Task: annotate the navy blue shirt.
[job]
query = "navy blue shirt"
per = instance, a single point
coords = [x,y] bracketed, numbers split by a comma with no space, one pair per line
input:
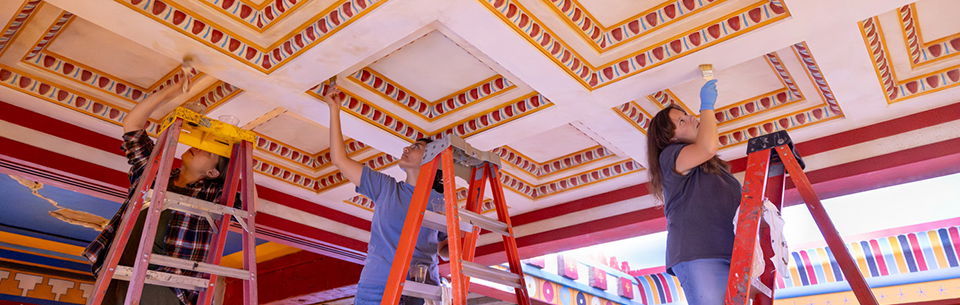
[392,200]
[699,207]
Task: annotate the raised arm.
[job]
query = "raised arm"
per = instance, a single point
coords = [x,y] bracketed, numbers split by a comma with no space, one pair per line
[707,142]
[350,169]
[138,116]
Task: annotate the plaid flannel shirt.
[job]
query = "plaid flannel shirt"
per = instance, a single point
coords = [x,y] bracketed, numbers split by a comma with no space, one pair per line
[187,237]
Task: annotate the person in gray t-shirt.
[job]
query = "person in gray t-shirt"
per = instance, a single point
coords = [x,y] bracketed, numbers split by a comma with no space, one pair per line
[392,201]
[700,197]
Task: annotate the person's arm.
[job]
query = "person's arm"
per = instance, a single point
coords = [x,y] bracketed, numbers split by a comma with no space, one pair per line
[707,142]
[350,169]
[138,116]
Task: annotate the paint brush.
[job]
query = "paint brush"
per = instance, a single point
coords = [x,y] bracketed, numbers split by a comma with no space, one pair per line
[707,72]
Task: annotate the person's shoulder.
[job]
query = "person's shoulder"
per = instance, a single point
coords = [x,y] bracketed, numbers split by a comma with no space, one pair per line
[671,151]
[379,176]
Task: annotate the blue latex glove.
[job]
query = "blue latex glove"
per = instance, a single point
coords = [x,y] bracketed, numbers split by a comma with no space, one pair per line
[708,95]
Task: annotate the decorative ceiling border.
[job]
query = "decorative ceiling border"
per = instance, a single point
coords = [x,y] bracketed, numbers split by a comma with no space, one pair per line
[42,89]
[265,59]
[546,168]
[921,52]
[214,96]
[520,107]
[603,38]
[102,81]
[499,115]
[316,161]
[50,34]
[12,29]
[786,79]
[635,115]
[375,115]
[896,90]
[826,111]
[88,105]
[816,76]
[666,97]
[725,115]
[517,108]
[40,57]
[378,162]
[320,183]
[430,110]
[257,17]
[537,191]
[810,116]
[365,203]
[737,23]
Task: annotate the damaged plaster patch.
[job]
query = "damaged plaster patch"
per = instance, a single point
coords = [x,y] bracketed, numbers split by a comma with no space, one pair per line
[70,216]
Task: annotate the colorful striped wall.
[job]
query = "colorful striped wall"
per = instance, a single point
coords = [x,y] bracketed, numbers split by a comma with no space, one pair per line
[904,253]
[904,260]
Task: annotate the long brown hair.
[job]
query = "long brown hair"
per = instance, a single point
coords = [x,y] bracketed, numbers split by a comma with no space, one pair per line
[659,136]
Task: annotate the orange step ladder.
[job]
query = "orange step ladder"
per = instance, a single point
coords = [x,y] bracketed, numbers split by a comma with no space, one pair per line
[455,157]
[195,130]
[769,158]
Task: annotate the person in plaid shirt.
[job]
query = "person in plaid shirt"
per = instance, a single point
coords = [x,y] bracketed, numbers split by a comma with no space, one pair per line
[179,234]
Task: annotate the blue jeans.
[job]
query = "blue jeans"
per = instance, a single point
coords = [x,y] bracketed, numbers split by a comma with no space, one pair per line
[704,281]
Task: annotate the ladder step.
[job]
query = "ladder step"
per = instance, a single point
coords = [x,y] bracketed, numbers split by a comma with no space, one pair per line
[482,272]
[432,292]
[760,287]
[154,277]
[421,290]
[438,222]
[187,204]
[184,264]
[484,222]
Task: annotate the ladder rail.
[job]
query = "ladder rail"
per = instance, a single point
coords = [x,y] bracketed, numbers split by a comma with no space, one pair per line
[739,283]
[408,236]
[122,232]
[453,221]
[230,187]
[463,226]
[475,204]
[742,287]
[847,265]
[145,248]
[156,175]
[509,241]
[249,202]
[774,192]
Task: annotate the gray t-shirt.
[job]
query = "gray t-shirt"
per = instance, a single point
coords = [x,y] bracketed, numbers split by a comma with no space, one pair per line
[699,207]
[392,199]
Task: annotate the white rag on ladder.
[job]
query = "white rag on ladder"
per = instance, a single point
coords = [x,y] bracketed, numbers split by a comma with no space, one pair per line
[772,216]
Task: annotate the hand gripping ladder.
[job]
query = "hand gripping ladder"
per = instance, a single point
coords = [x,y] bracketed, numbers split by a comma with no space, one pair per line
[769,158]
[192,129]
[455,157]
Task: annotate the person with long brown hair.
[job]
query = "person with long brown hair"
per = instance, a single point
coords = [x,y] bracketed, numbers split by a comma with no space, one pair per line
[700,197]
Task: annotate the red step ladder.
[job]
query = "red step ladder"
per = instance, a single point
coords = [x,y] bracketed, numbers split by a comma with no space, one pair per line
[214,136]
[769,159]
[454,155]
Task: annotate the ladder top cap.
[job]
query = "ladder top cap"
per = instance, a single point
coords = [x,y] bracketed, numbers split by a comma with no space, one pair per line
[464,154]
[769,141]
[206,133]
